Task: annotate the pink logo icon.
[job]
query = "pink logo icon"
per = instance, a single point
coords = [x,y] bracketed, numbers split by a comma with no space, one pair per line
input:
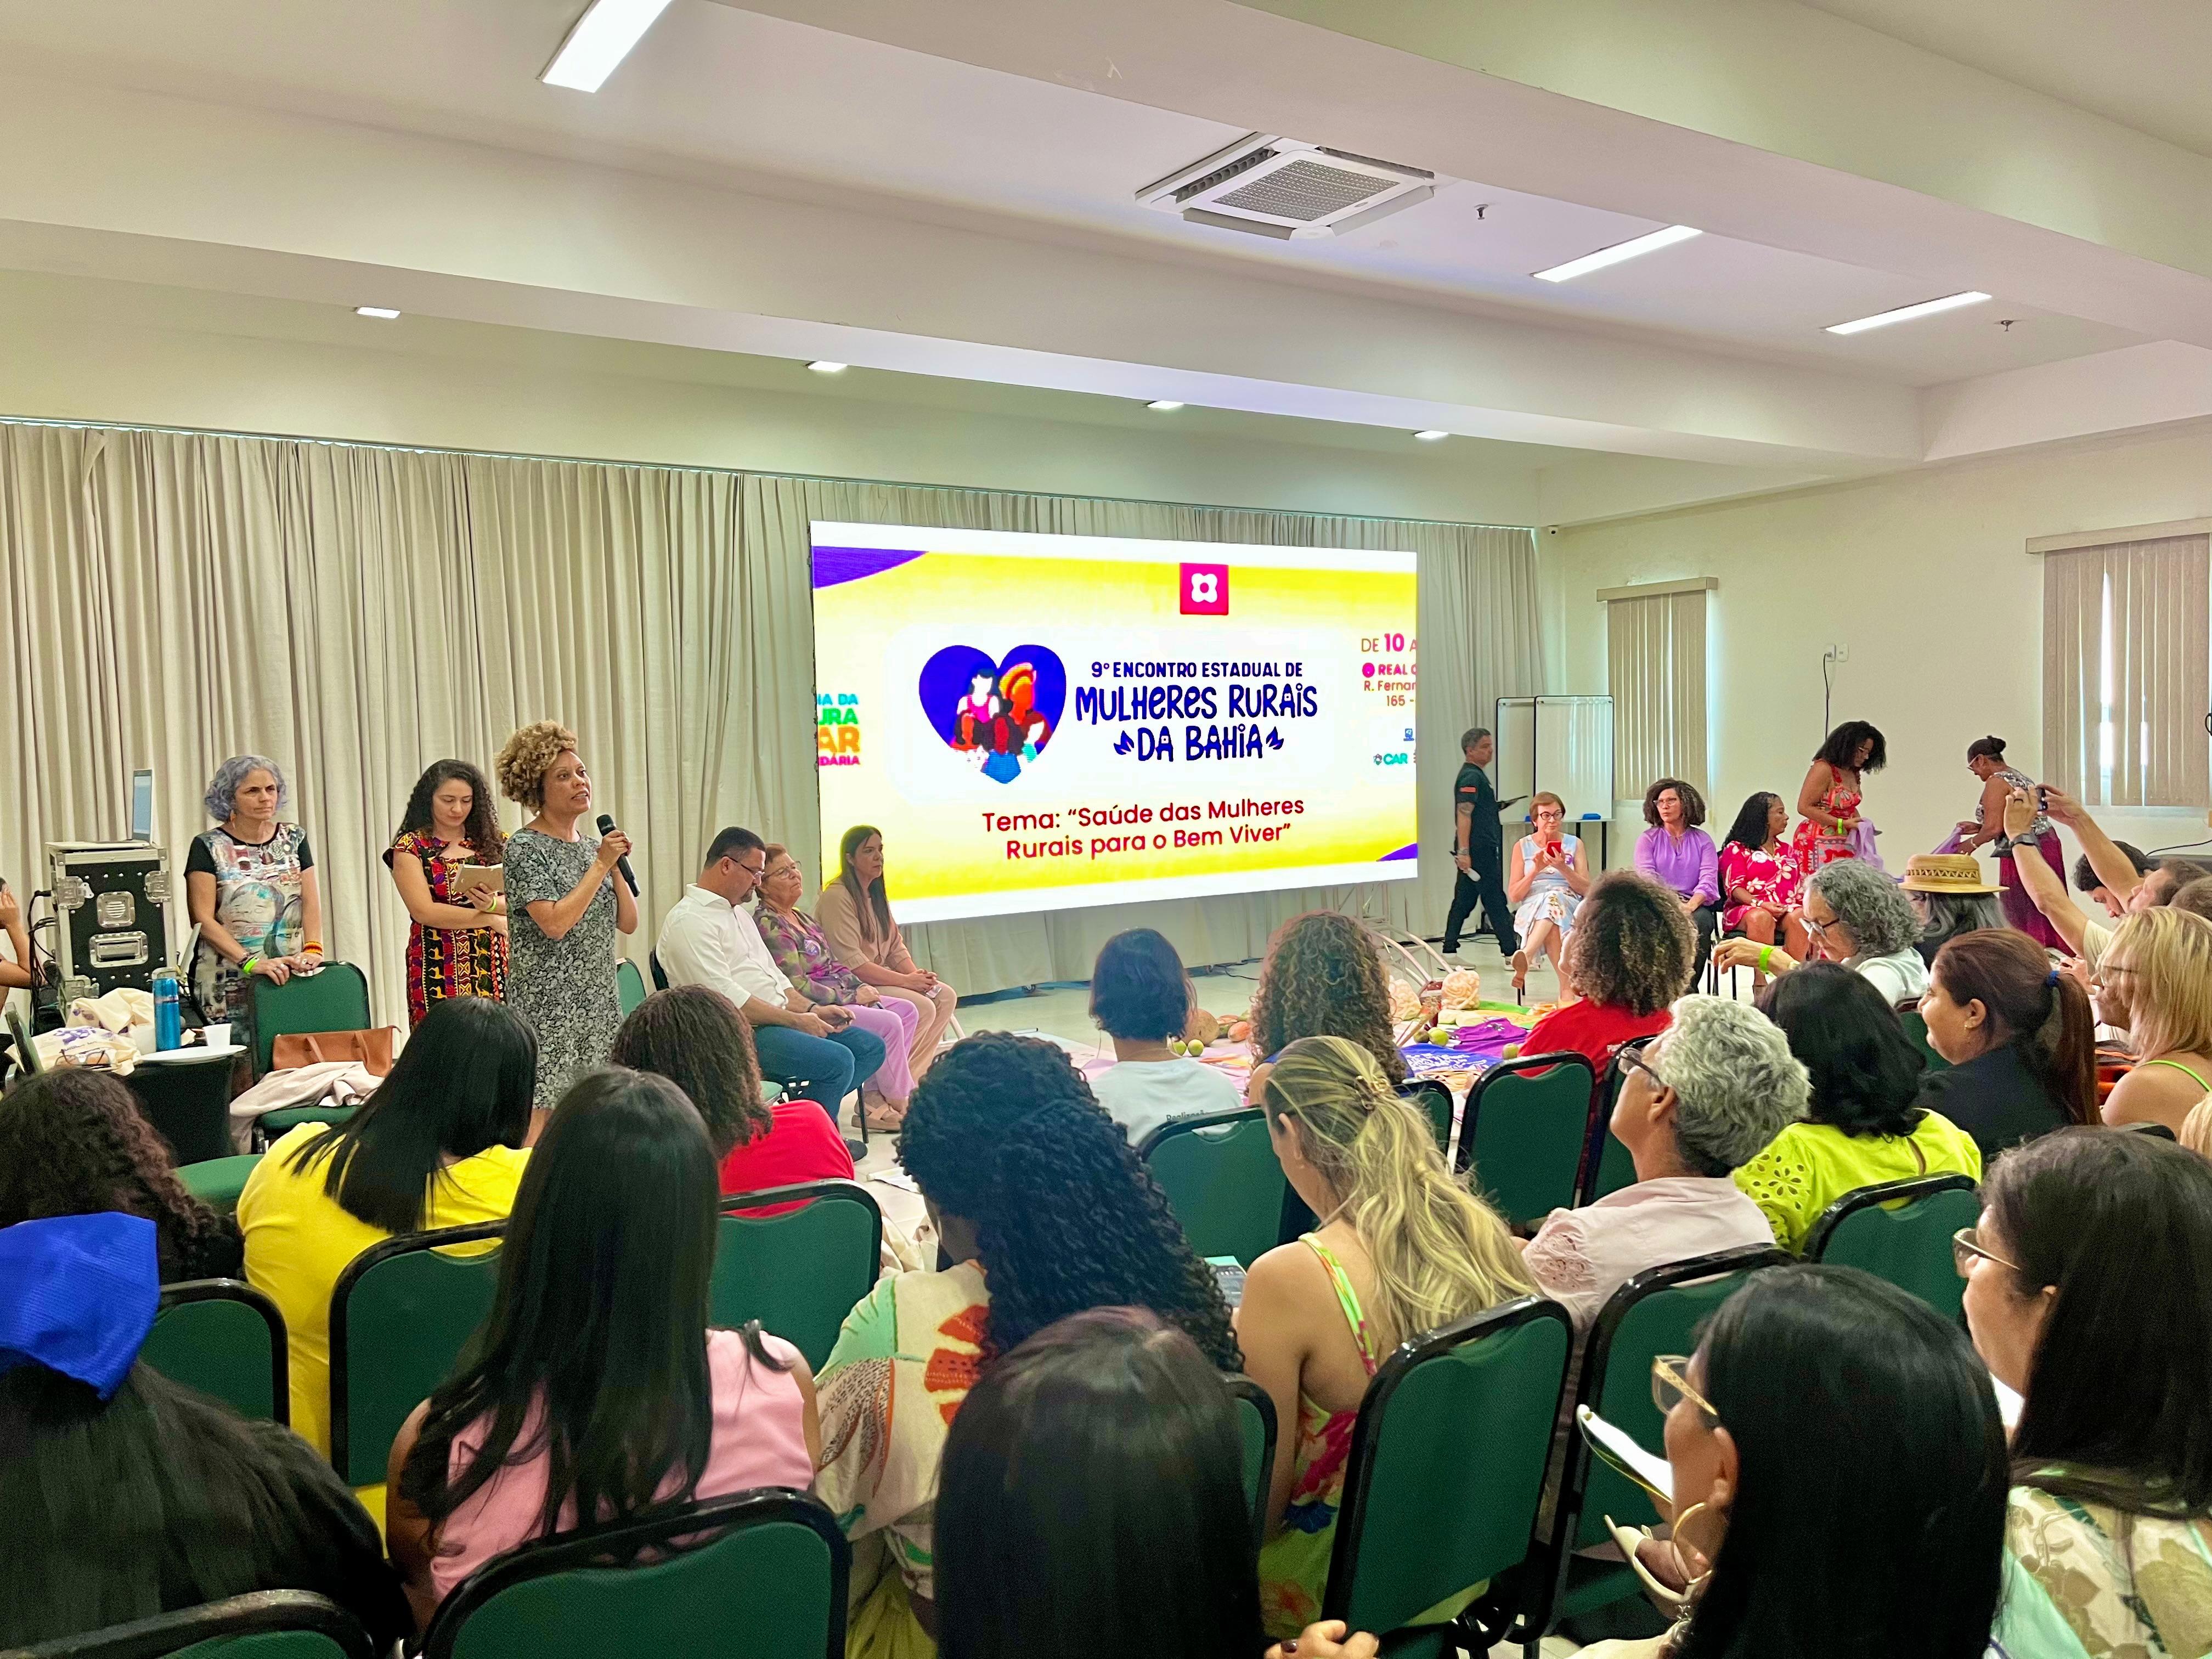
[1206,590]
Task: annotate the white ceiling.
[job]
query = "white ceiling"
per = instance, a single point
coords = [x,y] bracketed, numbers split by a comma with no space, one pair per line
[966,159]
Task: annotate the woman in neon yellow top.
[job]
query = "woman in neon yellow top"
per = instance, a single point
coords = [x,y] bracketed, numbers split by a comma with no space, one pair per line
[1402,1247]
[439,1144]
[1863,1128]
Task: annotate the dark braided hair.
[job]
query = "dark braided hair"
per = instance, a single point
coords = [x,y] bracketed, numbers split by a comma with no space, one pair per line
[1004,1132]
[1324,977]
[72,1142]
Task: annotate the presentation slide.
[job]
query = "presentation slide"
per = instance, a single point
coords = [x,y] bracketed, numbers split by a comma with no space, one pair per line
[1040,722]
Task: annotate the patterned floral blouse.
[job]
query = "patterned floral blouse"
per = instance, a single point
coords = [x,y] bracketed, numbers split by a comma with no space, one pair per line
[1775,877]
[2083,1581]
[802,950]
[1808,1166]
[447,962]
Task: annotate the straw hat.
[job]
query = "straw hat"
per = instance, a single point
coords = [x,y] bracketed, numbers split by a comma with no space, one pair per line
[1946,872]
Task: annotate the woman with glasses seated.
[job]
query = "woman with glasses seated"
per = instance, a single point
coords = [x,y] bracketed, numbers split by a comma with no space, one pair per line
[1855,915]
[1838,1471]
[1863,1124]
[1545,885]
[2086,1292]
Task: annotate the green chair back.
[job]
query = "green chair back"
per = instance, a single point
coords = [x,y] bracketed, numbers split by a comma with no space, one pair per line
[265,1624]
[1256,1431]
[1901,1232]
[1523,1131]
[799,1273]
[1915,1027]
[1658,1311]
[272,1127]
[770,1579]
[224,1338]
[400,1315]
[1446,1468]
[335,1000]
[1606,1165]
[1221,1179]
[629,986]
[1435,1101]
[217,1181]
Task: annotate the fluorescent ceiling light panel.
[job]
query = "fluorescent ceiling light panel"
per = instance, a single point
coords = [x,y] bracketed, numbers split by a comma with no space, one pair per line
[386,312]
[1431,435]
[1906,313]
[828,367]
[601,39]
[1164,404]
[1635,248]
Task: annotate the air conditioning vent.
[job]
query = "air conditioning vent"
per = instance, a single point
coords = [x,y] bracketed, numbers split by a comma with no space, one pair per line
[1282,187]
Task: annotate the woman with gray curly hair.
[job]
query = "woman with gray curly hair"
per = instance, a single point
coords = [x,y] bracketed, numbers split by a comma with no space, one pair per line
[1700,1101]
[564,908]
[1857,917]
[250,886]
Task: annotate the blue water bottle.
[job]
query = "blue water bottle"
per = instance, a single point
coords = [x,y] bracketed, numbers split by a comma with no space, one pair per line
[168,1016]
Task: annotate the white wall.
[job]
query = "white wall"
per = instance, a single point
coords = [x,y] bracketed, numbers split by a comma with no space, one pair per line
[1924,575]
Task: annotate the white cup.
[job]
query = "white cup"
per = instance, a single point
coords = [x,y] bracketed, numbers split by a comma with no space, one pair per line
[218,1035]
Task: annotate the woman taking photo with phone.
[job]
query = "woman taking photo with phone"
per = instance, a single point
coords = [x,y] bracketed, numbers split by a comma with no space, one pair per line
[456,941]
[1545,886]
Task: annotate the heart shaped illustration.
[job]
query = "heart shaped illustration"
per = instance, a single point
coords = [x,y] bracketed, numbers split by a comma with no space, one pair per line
[997,715]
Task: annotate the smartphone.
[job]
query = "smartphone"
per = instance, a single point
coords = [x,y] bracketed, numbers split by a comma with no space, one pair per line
[1555,847]
[1230,1276]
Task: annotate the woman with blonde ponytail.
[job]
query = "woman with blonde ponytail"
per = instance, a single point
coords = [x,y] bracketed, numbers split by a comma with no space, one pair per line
[1402,1247]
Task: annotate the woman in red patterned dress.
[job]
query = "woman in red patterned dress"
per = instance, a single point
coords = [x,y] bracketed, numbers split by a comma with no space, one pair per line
[1829,801]
[456,943]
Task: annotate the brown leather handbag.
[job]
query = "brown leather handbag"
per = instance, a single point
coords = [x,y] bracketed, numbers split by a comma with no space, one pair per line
[372,1048]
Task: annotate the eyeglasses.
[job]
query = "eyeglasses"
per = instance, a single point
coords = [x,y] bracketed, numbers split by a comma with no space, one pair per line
[1670,1385]
[756,871]
[1813,924]
[1965,1248]
[1633,1060]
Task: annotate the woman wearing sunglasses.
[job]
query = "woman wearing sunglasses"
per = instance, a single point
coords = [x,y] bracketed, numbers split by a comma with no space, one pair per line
[2089,1290]
[1839,1478]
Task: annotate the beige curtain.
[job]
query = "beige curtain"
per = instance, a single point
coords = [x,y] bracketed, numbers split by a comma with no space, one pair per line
[357,612]
[2152,600]
[1656,666]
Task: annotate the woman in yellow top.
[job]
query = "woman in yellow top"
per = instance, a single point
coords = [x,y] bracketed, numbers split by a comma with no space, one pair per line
[855,915]
[1402,1247]
[439,1144]
[2154,979]
[1863,1128]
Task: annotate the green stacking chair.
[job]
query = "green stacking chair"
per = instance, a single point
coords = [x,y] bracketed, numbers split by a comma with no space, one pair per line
[1435,1101]
[400,1315]
[1658,1311]
[1901,1232]
[1218,1171]
[629,986]
[1446,1468]
[224,1338]
[1523,1131]
[334,999]
[217,1181]
[1255,1428]
[265,1624]
[800,1272]
[762,1572]
[272,1127]
[1915,1027]
[1606,1165]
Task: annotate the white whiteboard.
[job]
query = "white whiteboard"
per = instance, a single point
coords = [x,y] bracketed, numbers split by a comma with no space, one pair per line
[1564,744]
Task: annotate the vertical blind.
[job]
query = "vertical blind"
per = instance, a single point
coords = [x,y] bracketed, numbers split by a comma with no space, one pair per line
[355,612]
[1655,663]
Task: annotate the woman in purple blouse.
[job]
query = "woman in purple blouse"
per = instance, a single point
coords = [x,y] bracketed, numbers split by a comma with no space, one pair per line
[1675,853]
[804,954]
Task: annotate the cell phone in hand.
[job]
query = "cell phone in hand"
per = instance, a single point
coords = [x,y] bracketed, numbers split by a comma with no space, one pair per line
[1230,1276]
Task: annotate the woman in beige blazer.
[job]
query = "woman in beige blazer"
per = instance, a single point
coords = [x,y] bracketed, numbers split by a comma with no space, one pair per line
[855,916]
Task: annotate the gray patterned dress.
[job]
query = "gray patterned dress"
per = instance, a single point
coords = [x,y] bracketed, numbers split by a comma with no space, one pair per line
[565,987]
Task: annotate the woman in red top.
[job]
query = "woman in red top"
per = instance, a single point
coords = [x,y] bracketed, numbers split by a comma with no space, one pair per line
[696,1039]
[1632,953]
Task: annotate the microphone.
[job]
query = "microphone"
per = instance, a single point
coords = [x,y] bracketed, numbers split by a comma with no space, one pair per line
[607,828]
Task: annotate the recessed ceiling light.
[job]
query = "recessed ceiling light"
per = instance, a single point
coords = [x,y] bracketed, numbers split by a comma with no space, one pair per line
[828,368]
[1635,248]
[1906,313]
[385,312]
[602,39]
[1164,404]
[1431,435]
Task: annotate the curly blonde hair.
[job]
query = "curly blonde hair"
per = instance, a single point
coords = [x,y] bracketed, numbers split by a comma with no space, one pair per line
[527,756]
[1324,977]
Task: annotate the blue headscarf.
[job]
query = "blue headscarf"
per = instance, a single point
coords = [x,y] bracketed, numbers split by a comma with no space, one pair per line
[78,1295]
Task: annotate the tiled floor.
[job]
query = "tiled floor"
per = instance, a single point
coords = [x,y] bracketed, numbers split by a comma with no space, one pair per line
[1064,1012]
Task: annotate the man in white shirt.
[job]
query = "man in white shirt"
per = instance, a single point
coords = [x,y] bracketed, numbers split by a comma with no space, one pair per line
[812,1048]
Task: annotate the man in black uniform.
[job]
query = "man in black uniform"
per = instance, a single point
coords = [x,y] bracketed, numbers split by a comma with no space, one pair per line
[1477,850]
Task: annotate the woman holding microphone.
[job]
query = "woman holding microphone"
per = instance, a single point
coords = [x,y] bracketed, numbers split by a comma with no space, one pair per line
[565,906]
